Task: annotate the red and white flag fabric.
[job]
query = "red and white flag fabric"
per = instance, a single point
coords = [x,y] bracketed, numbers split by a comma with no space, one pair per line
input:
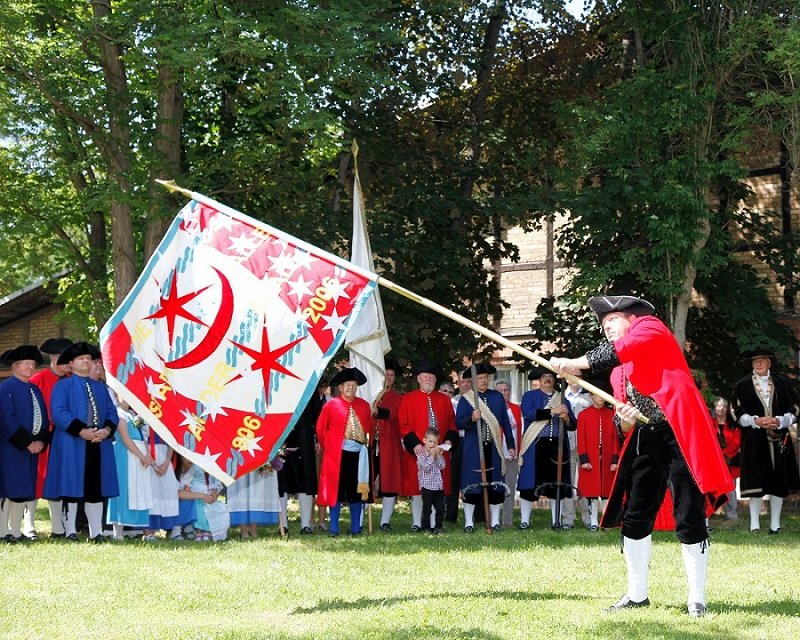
[225,335]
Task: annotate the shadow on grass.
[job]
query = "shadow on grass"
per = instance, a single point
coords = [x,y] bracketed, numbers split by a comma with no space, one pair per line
[339,604]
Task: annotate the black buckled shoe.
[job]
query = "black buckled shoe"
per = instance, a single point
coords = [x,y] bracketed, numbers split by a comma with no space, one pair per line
[306,531]
[626,603]
[697,610]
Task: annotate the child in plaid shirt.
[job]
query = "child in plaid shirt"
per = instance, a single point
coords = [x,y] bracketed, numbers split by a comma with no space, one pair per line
[430,464]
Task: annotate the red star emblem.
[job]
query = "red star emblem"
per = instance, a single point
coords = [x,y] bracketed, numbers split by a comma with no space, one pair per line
[267,360]
[173,306]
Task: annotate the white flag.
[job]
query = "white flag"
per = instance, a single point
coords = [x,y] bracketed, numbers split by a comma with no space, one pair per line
[368,340]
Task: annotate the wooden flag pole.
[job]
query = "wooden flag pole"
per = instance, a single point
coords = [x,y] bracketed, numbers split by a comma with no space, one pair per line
[496,337]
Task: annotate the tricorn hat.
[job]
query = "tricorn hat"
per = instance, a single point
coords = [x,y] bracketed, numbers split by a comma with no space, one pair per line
[426,366]
[23,352]
[761,352]
[480,367]
[346,375]
[394,365]
[78,349]
[538,372]
[55,346]
[603,305]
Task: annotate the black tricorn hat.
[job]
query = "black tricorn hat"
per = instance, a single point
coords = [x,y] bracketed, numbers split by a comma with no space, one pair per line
[23,352]
[601,382]
[603,305]
[426,366]
[55,346]
[480,367]
[346,375]
[78,349]
[394,365]
[761,352]
[538,372]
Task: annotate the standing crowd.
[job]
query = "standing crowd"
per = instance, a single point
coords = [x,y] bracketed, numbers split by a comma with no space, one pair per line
[64,438]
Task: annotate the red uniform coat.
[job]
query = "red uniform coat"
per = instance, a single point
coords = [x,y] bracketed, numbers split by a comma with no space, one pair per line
[390,444]
[517,413]
[653,361]
[598,444]
[45,380]
[731,436]
[330,435]
[414,422]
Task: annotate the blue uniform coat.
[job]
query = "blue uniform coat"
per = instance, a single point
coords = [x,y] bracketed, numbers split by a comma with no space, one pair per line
[17,464]
[470,469]
[69,407]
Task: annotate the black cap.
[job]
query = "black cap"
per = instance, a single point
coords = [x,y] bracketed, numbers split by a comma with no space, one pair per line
[426,366]
[480,367]
[55,346]
[394,365]
[23,352]
[761,352]
[538,372]
[346,375]
[603,305]
[78,349]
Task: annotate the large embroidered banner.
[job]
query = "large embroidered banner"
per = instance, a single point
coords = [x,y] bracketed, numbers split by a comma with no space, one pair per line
[224,337]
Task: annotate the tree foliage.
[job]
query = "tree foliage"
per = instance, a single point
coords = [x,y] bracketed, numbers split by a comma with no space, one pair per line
[471,117]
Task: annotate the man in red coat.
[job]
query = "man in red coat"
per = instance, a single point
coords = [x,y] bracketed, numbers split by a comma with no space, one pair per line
[342,430]
[389,445]
[598,453]
[678,446]
[420,410]
[45,380]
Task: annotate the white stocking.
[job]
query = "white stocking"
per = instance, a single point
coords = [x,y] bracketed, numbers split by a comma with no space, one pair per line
[525,508]
[387,509]
[755,512]
[469,515]
[775,506]
[94,517]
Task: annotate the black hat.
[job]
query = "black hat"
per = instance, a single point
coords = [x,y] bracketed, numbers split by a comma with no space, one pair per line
[346,375]
[759,353]
[601,382]
[394,365]
[480,367]
[538,372]
[55,346]
[78,349]
[603,305]
[425,366]
[24,352]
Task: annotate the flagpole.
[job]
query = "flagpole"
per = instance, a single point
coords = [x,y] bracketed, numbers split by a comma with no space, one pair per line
[425,302]
[496,337]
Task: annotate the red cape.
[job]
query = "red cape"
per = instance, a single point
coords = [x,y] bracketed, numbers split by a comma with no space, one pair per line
[653,361]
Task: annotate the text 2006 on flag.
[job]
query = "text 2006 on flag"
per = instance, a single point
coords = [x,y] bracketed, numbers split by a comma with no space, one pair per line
[223,338]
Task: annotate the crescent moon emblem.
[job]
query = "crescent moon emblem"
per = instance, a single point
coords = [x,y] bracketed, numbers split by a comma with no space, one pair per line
[216,332]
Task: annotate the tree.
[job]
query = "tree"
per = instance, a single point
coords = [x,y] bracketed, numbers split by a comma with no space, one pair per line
[652,173]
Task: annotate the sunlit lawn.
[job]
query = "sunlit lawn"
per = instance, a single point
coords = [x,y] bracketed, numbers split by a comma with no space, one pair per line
[513,584]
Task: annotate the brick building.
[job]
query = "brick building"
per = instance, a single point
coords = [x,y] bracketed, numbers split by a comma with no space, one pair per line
[30,316]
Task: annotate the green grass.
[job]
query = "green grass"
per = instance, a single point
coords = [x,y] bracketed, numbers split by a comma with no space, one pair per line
[513,584]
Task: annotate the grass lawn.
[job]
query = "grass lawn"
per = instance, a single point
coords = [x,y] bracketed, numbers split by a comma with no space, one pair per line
[513,584]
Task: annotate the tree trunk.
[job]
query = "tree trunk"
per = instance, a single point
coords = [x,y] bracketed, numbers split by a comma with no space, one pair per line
[119,152]
[168,157]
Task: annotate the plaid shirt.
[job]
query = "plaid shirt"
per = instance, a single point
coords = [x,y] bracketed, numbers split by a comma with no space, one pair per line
[429,471]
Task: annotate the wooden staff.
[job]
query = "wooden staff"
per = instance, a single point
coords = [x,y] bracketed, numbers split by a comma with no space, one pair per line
[370,496]
[481,456]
